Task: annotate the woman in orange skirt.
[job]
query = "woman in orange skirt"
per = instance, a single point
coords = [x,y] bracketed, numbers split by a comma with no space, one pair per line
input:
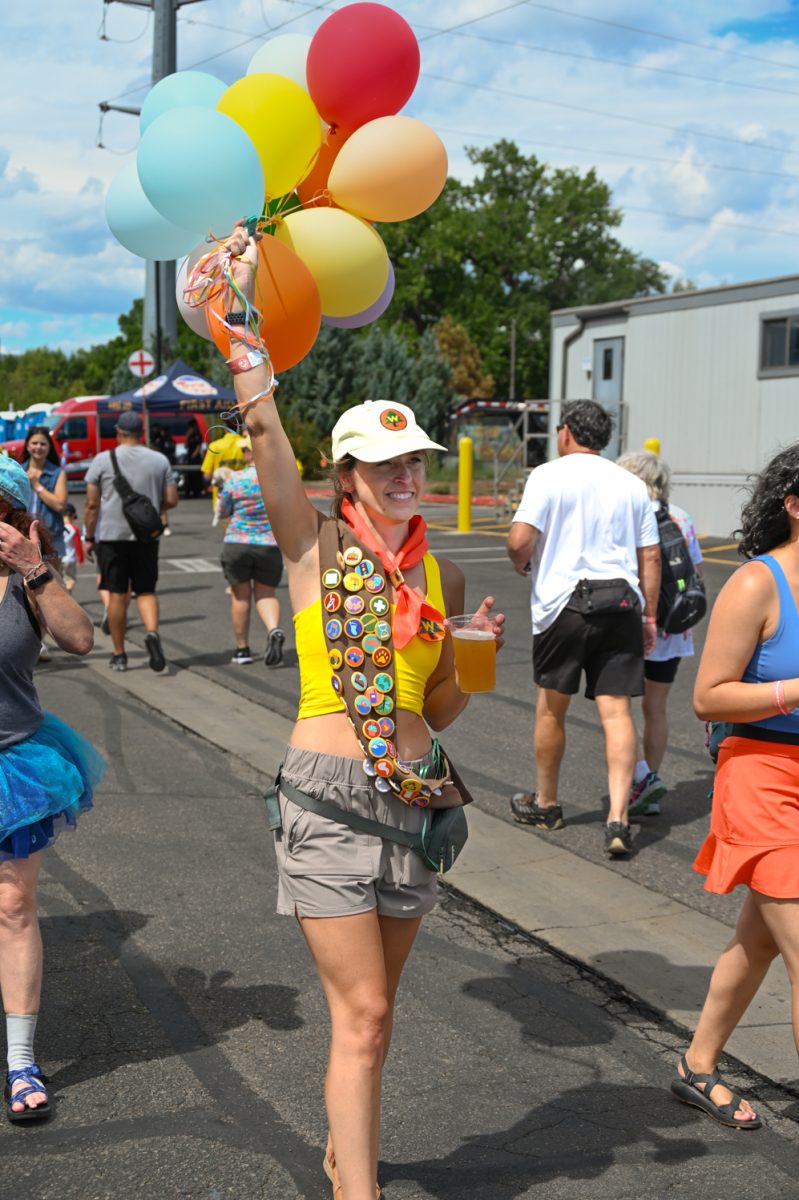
[749,677]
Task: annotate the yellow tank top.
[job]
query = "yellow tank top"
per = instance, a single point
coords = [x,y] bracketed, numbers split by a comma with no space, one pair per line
[414,663]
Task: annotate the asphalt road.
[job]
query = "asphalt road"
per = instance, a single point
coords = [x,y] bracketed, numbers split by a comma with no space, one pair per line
[185,1032]
[492,742]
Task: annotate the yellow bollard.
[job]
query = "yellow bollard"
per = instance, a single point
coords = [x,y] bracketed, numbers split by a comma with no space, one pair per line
[653,446]
[465,461]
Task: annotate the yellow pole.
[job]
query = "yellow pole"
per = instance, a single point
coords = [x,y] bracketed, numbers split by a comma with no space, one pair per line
[653,446]
[465,458]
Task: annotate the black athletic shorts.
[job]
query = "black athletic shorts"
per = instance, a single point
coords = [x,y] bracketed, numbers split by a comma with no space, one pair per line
[662,672]
[243,562]
[126,565]
[609,648]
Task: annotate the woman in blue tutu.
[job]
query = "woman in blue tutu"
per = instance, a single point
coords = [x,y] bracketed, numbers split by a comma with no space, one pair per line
[47,772]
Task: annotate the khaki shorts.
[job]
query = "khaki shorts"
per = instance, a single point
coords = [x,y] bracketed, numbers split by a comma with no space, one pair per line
[326,869]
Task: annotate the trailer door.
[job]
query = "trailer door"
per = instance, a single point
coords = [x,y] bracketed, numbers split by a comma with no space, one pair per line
[608,381]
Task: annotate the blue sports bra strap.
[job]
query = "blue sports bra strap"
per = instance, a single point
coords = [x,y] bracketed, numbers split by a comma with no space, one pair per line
[788,611]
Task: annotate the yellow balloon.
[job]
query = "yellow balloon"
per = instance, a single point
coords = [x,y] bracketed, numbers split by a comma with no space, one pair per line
[389,169]
[281,120]
[346,257]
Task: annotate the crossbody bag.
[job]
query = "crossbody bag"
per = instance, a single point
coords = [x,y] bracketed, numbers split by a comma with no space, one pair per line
[139,511]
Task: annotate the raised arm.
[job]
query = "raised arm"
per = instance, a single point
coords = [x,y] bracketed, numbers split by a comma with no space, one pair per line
[294,519]
[54,607]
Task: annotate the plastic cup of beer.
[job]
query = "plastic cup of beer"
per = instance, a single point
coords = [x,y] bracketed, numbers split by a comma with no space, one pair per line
[475,646]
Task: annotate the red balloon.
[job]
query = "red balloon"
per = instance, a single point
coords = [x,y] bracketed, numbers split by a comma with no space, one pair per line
[363,63]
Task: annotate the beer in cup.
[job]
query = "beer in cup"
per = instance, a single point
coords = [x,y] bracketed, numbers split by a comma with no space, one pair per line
[475,649]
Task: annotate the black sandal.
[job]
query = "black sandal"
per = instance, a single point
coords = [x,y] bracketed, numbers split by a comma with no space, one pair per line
[685,1089]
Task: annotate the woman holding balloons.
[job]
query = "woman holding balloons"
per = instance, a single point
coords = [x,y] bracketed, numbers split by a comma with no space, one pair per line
[359,901]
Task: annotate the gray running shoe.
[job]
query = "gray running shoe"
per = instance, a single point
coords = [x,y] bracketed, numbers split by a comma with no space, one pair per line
[118,662]
[526,810]
[274,648]
[104,626]
[618,839]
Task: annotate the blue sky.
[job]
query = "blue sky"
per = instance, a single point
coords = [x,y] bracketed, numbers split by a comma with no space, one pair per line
[687,110]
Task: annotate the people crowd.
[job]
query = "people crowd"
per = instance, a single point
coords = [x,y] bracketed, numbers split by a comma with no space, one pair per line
[364,780]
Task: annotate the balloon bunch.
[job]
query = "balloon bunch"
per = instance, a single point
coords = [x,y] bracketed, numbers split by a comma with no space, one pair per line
[309,146]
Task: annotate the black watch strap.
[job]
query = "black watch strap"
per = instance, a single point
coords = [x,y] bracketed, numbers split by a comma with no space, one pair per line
[236,318]
[40,580]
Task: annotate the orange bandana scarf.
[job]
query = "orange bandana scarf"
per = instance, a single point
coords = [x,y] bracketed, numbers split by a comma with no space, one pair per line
[412,615]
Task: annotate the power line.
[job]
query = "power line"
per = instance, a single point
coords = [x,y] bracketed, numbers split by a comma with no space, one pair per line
[676,162]
[254,38]
[471,21]
[596,112]
[628,66]
[666,37]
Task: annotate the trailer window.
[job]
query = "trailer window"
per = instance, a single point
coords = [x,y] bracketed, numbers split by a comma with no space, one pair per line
[779,345]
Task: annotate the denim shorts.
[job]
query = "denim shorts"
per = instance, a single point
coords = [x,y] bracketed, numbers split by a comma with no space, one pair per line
[326,869]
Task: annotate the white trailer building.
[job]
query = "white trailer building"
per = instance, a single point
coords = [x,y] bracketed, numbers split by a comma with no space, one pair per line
[714,374]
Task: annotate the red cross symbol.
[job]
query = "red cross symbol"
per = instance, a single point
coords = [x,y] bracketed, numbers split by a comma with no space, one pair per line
[141,363]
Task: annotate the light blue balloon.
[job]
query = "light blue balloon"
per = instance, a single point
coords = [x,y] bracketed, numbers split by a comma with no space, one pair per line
[199,169]
[180,90]
[136,224]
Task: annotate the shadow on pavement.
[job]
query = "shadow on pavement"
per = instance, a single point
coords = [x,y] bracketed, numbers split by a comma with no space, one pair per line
[92,1006]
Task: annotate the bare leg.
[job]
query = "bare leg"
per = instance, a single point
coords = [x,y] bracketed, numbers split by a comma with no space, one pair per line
[398,935]
[20,946]
[351,960]
[549,742]
[267,606]
[240,604]
[617,726]
[656,726]
[117,619]
[736,978]
[148,610]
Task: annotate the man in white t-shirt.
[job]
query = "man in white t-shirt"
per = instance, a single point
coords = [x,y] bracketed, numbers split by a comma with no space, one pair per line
[586,533]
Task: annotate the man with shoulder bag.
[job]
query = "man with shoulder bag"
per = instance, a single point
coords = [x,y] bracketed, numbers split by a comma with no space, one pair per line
[127,489]
[586,533]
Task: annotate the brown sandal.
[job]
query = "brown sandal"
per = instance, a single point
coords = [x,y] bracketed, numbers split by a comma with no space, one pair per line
[332,1174]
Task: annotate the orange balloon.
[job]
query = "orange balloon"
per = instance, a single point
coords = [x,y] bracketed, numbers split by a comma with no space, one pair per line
[288,299]
[313,190]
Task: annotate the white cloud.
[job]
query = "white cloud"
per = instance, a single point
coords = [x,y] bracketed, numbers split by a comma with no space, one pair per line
[55,71]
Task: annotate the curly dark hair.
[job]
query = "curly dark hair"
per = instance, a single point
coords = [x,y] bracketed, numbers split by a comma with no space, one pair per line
[52,453]
[588,423]
[764,521]
[21,520]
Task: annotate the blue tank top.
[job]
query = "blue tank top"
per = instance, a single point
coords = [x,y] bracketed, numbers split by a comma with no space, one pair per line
[778,656]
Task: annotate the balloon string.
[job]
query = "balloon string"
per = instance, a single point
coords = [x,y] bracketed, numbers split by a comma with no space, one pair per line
[211,279]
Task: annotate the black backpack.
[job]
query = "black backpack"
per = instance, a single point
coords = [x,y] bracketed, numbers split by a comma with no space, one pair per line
[140,512]
[682,601]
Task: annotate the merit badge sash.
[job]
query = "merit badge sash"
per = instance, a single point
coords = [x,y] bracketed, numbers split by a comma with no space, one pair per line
[356,618]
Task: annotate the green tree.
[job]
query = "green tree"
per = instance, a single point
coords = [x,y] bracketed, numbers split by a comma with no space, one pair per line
[518,241]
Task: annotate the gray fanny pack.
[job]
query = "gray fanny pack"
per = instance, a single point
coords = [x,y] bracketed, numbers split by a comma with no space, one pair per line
[438,843]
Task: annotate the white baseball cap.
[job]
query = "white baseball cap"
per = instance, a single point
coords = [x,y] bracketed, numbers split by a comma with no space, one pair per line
[377,430]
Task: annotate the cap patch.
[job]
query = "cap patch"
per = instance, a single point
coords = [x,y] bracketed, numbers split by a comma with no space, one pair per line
[393,420]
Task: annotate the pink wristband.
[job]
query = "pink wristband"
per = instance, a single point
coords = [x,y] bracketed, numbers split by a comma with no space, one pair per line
[779,697]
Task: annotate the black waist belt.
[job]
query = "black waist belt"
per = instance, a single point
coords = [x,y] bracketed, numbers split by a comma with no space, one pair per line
[758,734]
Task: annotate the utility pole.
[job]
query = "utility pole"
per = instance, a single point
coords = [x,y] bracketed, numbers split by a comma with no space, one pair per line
[160,305]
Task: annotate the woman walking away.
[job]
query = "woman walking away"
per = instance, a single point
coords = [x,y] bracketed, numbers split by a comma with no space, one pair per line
[662,663]
[376,669]
[749,678]
[251,562]
[48,480]
[47,772]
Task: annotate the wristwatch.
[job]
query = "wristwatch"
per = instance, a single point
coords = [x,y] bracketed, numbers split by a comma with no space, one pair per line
[39,580]
[236,318]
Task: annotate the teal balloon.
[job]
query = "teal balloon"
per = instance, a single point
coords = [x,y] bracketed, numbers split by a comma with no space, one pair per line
[138,226]
[200,170]
[181,90]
